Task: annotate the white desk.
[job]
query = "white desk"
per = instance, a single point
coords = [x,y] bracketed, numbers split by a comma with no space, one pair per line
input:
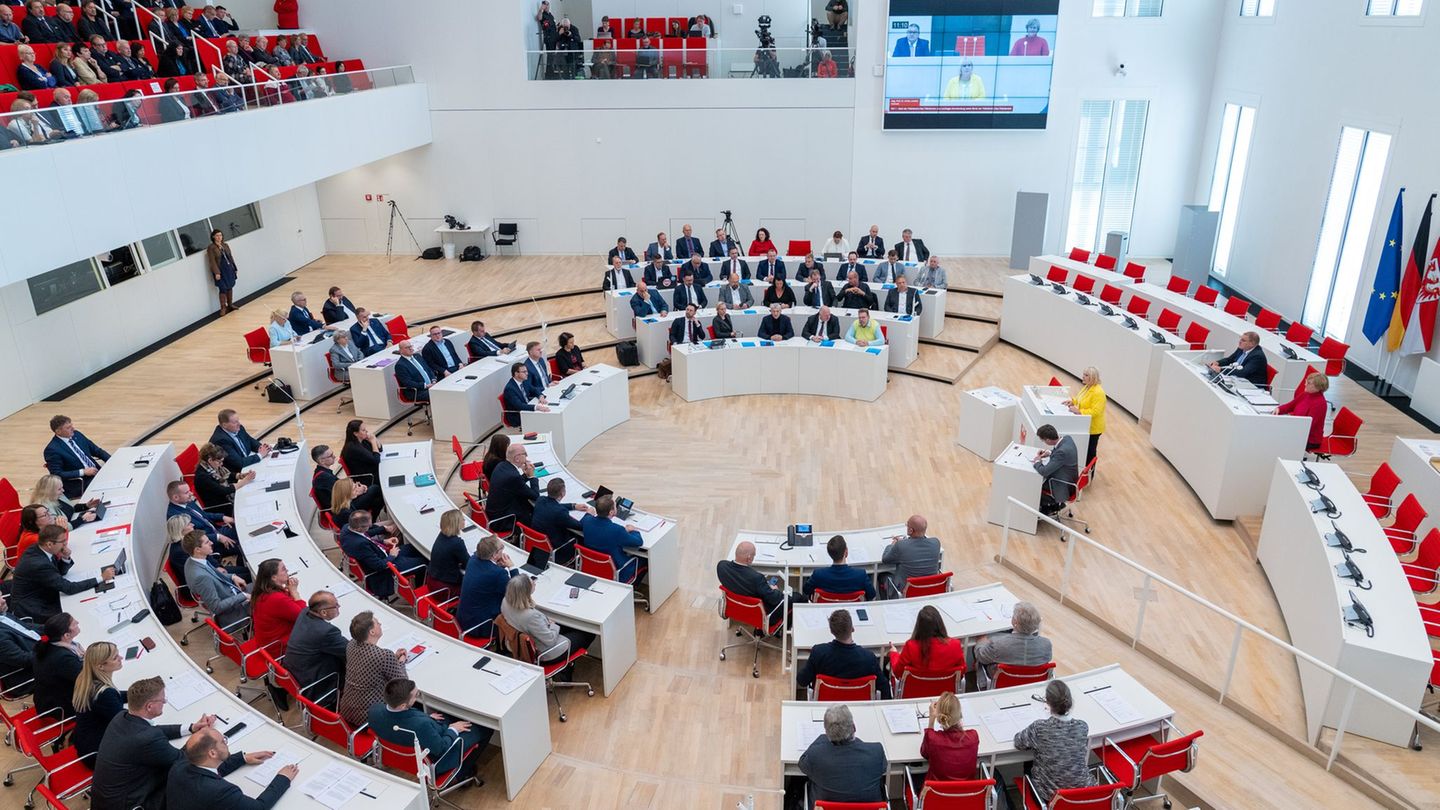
[302,364]
[902,331]
[168,660]
[1219,444]
[794,366]
[449,237]
[987,420]
[372,380]
[1425,398]
[1410,459]
[1301,567]
[1040,266]
[1045,405]
[607,610]
[466,404]
[446,678]
[1073,336]
[865,547]
[1013,476]
[601,401]
[1143,713]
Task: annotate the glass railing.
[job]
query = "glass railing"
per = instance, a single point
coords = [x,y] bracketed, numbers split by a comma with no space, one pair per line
[73,114]
[704,62]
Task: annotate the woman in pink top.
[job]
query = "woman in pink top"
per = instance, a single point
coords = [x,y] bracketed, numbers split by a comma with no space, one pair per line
[951,749]
[1032,44]
[1311,402]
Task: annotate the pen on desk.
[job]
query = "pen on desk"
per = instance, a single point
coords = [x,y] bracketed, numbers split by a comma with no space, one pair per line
[367,795]
[302,562]
[89,599]
[982,601]
[1097,689]
[225,720]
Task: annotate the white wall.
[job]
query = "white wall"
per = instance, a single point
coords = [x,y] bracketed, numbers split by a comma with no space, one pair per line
[573,160]
[1287,67]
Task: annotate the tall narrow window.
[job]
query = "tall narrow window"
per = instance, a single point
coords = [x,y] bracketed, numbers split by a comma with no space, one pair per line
[1345,229]
[1126,8]
[1107,171]
[1393,8]
[1230,159]
[1257,8]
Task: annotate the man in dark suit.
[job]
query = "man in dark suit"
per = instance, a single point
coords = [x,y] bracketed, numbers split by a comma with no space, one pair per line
[482,345]
[770,269]
[735,265]
[887,271]
[412,375]
[690,291]
[902,299]
[513,487]
[207,26]
[775,326]
[337,307]
[135,755]
[658,274]
[300,318]
[688,329]
[133,69]
[821,326]
[843,658]
[451,746]
[911,44]
[315,653]
[855,293]
[40,28]
[369,334]
[818,291]
[603,535]
[219,528]
[851,266]
[645,303]
[739,578]
[721,246]
[809,263]
[697,266]
[374,561]
[660,247]
[72,456]
[538,368]
[617,277]
[622,251]
[552,518]
[40,576]
[369,498]
[1058,468]
[517,398]
[440,355]
[18,637]
[1247,361]
[688,245]
[198,779]
[241,449]
[840,577]
[910,249]
[872,246]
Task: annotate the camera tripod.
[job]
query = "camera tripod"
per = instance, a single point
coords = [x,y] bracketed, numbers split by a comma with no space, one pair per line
[729,225]
[390,236]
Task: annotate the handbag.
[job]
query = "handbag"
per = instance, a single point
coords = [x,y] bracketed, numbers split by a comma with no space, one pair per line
[278,391]
[163,605]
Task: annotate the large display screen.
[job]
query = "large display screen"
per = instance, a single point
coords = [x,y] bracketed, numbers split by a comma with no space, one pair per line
[969,64]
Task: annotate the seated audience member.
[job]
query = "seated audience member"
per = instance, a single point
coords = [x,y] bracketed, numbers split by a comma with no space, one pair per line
[49,492]
[87,68]
[914,554]
[1057,464]
[841,768]
[343,355]
[736,294]
[676,31]
[688,329]
[645,303]
[513,487]
[369,334]
[175,61]
[241,449]
[647,60]
[57,664]
[125,114]
[821,326]
[92,24]
[902,299]
[18,637]
[483,587]
[604,30]
[657,274]
[342,506]
[222,594]
[929,650]
[688,245]
[700,26]
[65,75]
[1311,402]
[699,268]
[1023,646]
[71,455]
[63,114]
[517,398]
[360,453]
[818,292]
[315,652]
[482,345]
[837,244]
[538,367]
[883,273]
[602,60]
[734,265]
[552,642]
[203,102]
[690,291]
[368,667]
[776,326]
[90,118]
[771,268]
[950,749]
[198,779]
[234,62]
[762,246]
[1061,744]
[569,358]
[809,263]
[95,698]
[111,66]
[931,274]
[337,307]
[637,29]
[439,355]
[396,720]
[207,26]
[135,757]
[28,74]
[778,292]
[839,577]
[448,556]
[9,31]
[911,249]
[864,332]
[224,96]
[843,658]
[871,245]
[39,577]
[721,324]
[739,577]
[281,51]
[552,519]
[373,555]
[826,68]
[411,374]
[302,322]
[279,326]
[621,251]
[33,519]
[494,454]
[135,68]
[27,127]
[660,248]
[219,528]
[275,604]
[38,27]
[855,293]
[604,536]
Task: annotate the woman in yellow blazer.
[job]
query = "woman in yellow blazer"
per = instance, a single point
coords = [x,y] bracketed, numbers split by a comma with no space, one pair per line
[1091,402]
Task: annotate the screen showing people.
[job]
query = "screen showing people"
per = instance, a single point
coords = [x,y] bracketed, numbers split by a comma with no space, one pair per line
[971,64]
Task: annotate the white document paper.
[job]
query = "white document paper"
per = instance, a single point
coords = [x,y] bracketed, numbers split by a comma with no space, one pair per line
[900,620]
[902,719]
[186,688]
[409,644]
[340,587]
[813,619]
[515,678]
[251,720]
[958,610]
[1115,705]
[645,523]
[336,785]
[806,731]
[560,598]
[264,773]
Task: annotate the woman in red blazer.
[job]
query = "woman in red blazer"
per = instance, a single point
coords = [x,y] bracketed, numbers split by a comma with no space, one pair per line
[930,649]
[288,13]
[762,243]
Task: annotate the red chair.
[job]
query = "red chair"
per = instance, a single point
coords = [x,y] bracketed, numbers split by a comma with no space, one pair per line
[413,760]
[1268,320]
[1057,275]
[1177,284]
[554,369]
[506,417]
[1007,675]
[968,794]
[823,596]
[1206,295]
[821,804]
[523,647]
[1105,262]
[1145,759]
[1110,294]
[10,536]
[51,800]
[1138,306]
[409,396]
[67,774]
[1169,321]
[1408,518]
[917,683]
[1424,571]
[848,690]
[1096,797]
[1197,336]
[9,498]
[1078,255]
[1133,270]
[749,612]
[1237,306]
[443,620]
[468,471]
[1299,334]
[600,565]
[1299,388]
[1270,373]
[797,247]
[696,58]
[398,329]
[335,377]
[321,722]
[186,600]
[245,654]
[187,460]
[477,512]
[1084,283]
[711,331]
[1379,497]
[257,348]
[1080,484]
[407,590]
[532,539]
[932,585]
[1341,440]
[1333,352]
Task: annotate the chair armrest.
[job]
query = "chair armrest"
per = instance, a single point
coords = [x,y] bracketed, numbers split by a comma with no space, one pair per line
[237,624]
[469,630]
[408,571]
[1110,744]
[60,724]
[335,689]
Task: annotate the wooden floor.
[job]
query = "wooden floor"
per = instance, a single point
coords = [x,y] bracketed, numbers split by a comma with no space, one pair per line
[687,730]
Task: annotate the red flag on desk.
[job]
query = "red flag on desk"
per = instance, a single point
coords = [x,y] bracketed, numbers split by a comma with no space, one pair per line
[1421,306]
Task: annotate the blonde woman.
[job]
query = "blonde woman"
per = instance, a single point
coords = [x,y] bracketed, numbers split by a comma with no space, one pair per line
[49,493]
[1091,402]
[279,328]
[551,643]
[342,504]
[96,699]
[949,747]
[448,556]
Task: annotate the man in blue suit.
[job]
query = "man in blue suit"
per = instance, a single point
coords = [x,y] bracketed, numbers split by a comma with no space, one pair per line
[688,329]
[450,746]
[412,375]
[300,318]
[605,536]
[722,245]
[839,577]
[538,370]
[440,355]
[770,269]
[483,587]
[645,303]
[197,779]
[1247,361]
[482,345]
[552,518]
[516,398]
[369,334]
[72,456]
[690,291]
[219,528]
[657,273]
[241,449]
[734,265]
[912,44]
[688,245]
[357,544]
[660,247]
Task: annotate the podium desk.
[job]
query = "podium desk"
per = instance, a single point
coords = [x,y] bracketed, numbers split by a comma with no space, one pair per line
[795,366]
[138,498]
[601,401]
[372,380]
[1013,476]
[987,420]
[466,404]
[1300,564]
[444,673]
[606,609]
[302,365]
[1220,444]
[864,545]
[1045,405]
[1410,459]
[902,331]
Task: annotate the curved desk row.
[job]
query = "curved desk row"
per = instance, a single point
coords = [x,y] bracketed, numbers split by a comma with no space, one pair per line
[372,380]
[902,339]
[795,366]
[600,400]
[138,497]
[864,545]
[513,702]
[606,609]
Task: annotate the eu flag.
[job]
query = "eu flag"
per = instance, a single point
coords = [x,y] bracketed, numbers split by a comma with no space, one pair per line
[1385,290]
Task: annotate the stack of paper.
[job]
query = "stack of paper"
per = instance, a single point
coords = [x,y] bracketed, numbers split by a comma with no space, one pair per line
[812,619]
[1115,705]
[958,610]
[336,785]
[340,587]
[264,773]
[1004,723]
[186,688]
[902,719]
[900,620]
[515,678]
[806,731]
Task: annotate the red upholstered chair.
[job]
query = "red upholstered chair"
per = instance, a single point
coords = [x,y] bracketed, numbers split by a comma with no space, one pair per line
[334,375]
[442,618]
[408,396]
[244,654]
[1206,295]
[397,328]
[523,647]
[477,512]
[187,460]
[1078,255]
[1169,321]
[1422,571]
[470,471]
[51,800]
[672,58]
[413,760]
[1096,797]
[1380,496]
[1007,675]
[1133,270]
[797,247]
[1301,386]
[532,539]
[1237,306]
[1084,283]
[1408,518]
[1299,334]
[10,499]
[1081,483]
[510,419]
[848,690]
[968,794]
[1196,336]
[821,804]
[1057,274]
[67,774]
[823,596]
[1138,306]
[321,722]
[932,585]
[1333,351]
[1177,284]
[1341,440]
[1148,759]
[655,25]
[696,61]
[407,589]
[1268,320]
[755,624]
[10,536]
[1270,373]
[1105,262]
[917,683]
[554,369]
[257,348]
[1110,294]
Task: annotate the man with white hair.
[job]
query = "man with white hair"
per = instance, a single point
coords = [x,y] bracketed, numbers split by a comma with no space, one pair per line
[914,555]
[1023,646]
[841,768]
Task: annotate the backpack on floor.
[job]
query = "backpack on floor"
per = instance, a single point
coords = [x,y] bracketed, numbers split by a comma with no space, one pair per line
[471,253]
[627,353]
[432,253]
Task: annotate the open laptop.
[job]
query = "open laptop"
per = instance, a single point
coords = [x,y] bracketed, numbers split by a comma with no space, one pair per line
[538,561]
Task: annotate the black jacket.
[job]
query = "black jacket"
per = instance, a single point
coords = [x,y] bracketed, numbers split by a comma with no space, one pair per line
[812,327]
[134,760]
[240,451]
[746,581]
[37,585]
[316,652]
[837,660]
[193,786]
[511,493]
[16,651]
[56,669]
